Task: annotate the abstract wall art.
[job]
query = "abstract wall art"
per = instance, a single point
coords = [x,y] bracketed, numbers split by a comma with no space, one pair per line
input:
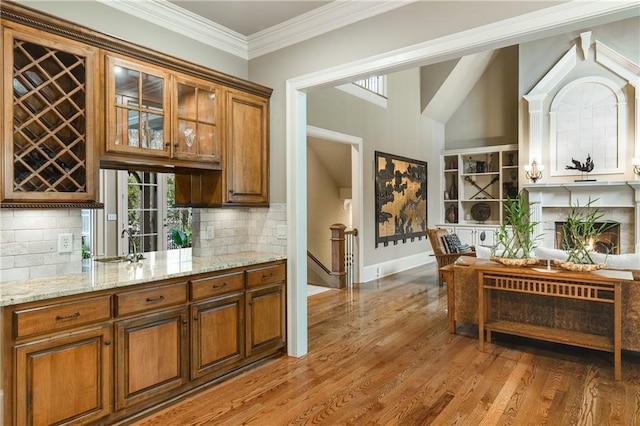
[401,199]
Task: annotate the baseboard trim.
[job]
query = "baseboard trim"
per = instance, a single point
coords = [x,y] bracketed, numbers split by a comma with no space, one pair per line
[379,270]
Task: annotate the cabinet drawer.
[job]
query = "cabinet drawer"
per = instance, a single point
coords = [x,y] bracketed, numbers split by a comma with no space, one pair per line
[267,275]
[60,316]
[150,298]
[213,286]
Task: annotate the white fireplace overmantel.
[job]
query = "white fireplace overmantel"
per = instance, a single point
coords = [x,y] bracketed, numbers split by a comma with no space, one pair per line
[620,194]
[571,194]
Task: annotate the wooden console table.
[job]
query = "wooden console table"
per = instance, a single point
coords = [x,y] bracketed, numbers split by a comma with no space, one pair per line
[601,287]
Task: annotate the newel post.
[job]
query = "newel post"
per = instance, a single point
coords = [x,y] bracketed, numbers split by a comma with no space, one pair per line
[337,253]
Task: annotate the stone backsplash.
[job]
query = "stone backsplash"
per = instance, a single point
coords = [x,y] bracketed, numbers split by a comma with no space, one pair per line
[29,238]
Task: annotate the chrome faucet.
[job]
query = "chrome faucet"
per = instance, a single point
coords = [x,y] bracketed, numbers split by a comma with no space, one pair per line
[131,242]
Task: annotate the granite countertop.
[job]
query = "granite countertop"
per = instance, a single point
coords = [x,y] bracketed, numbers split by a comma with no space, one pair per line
[102,276]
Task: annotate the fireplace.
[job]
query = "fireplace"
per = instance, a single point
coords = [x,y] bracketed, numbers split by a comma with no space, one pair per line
[617,201]
[607,243]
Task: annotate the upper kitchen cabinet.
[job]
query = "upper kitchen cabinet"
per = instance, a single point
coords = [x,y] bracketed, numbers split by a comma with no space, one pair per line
[197,133]
[49,121]
[247,166]
[138,99]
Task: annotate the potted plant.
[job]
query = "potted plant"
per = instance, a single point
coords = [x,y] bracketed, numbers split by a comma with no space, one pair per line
[514,239]
[580,230]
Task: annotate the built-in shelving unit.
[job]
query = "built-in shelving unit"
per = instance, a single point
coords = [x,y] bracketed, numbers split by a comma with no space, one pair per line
[475,184]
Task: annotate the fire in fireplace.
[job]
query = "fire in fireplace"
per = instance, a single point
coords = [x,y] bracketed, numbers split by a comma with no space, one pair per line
[608,242]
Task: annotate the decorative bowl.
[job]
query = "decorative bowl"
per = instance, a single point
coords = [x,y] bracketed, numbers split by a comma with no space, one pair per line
[579,267]
[514,261]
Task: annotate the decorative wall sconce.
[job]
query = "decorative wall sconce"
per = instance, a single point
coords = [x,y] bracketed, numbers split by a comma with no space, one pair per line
[534,171]
[636,165]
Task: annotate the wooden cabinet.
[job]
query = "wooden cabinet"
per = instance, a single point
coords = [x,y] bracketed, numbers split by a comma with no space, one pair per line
[107,356]
[197,120]
[49,120]
[246,172]
[151,356]
[476,182]
[217,334]
[138,97]
[266,322]
[152,348]
[62,362]
[65,380]
[244,178]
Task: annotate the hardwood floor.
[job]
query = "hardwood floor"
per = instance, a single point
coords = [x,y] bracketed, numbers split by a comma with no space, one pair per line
[380,354]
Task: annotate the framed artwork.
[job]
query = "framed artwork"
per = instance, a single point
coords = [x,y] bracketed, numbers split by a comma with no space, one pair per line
[401,199]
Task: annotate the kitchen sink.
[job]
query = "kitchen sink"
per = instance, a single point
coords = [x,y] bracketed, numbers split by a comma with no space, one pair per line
[111,259]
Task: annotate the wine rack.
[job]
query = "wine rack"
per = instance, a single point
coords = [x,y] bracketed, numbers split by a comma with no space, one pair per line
[49,143]
[49,134]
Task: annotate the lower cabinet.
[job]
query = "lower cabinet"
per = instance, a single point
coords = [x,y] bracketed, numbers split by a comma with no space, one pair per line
[217,335]
[107,356]
[63,380]
[151,356]
[265,319]
[477,235]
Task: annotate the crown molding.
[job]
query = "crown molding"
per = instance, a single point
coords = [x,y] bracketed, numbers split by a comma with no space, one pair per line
[327,18]
[181,21]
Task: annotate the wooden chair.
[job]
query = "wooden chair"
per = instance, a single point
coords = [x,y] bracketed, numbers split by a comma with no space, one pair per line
[443,257]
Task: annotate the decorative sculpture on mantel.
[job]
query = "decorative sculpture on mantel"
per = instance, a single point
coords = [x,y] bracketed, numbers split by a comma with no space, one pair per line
[585,167]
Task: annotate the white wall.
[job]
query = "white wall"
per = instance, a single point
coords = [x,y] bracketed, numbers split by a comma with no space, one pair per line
[395,130]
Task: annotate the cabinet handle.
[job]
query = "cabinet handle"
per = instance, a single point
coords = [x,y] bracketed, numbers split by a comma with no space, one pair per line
[266,276]
[107,342]
[157,299]
[220,286]
[231,191]
[66,317]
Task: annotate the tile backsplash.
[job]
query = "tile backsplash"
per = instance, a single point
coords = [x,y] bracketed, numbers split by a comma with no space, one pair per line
[29,238]
[227,231]
[29,243]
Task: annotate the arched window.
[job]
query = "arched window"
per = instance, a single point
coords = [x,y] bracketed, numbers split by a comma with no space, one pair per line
[587,119]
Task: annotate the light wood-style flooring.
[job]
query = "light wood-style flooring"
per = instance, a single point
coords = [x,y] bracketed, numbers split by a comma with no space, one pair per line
[380,354]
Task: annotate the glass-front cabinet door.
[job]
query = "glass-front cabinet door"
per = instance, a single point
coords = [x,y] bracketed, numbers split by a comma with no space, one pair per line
[137,108]
[197,128]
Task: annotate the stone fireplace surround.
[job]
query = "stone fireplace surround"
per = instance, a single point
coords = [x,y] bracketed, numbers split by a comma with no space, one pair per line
[619,201]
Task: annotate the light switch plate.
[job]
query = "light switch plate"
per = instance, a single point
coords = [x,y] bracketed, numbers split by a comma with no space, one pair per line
[112,216]
[65,243]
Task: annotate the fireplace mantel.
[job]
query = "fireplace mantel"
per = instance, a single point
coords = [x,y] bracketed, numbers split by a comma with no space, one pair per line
[623,194]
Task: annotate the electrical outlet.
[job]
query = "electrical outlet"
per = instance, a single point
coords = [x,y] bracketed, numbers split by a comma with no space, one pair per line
[65,243]
[281,232]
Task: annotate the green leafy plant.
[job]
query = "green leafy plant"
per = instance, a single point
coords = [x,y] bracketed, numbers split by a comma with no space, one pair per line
[86,253]
[514,238]
[181,238]
[580,228]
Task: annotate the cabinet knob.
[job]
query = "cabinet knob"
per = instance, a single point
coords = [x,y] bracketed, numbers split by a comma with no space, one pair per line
[184,321]
[175,145]
[107,342]
[167,144]
[195,318]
